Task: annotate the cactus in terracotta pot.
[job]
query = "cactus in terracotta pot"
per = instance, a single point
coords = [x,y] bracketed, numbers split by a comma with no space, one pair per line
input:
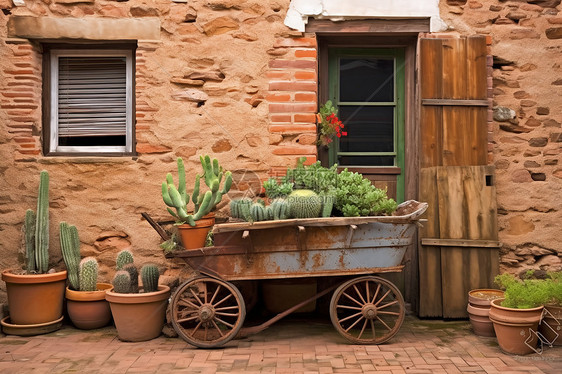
[124,257]
[88,274]
[149,277]
[121,282]
[70,247]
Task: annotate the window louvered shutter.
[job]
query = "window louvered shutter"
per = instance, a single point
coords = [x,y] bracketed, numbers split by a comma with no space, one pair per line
[92,96]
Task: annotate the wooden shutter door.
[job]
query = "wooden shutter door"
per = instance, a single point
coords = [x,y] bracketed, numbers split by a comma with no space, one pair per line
[459,248]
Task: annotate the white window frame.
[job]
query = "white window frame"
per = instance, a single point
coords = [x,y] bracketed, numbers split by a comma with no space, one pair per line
[54,147]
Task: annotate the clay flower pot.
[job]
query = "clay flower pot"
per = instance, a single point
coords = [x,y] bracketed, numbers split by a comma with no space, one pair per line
[513,327]
[552,324]
[479,309]
[34,298]
[88,309]
[193,237]
[139,316]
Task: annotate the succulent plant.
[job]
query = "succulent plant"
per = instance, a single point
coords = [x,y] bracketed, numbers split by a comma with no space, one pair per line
[134,277]
[257,212]
[88,274]
[240,208]
[304,204]
[178,198]
[280,209]
[121,282]
[37,233]
[124,257]
[70,247]
[149,277]
[29,231]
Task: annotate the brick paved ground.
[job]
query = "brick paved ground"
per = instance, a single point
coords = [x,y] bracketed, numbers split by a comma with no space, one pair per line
[292,346]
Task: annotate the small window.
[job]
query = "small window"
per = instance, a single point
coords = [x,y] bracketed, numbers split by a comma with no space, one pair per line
[90,102]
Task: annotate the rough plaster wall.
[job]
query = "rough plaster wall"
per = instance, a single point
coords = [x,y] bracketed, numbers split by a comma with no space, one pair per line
[211,51]
[527,50]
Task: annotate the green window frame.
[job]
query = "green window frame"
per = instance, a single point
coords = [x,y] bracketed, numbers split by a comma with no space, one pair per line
[335,55]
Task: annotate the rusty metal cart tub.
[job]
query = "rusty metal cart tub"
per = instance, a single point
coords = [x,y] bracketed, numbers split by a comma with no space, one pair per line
[208,310]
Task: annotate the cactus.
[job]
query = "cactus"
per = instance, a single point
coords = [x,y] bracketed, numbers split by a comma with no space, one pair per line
[149,277]
[304,204]
[268,213]
[42,225]
[70,247]
[240,208]
[88,274]
[123,258]
[257,212]
[133,276]
[121,282]
[327,205]
[29,231]
[178,198]
[280,209]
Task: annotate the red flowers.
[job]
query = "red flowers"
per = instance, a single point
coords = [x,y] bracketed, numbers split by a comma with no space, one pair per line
[330,125]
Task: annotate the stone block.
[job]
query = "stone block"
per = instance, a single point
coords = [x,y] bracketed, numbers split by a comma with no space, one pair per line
[220,25]
[554,33]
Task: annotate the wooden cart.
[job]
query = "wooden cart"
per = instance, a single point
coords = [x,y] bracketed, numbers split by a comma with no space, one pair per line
[208,310]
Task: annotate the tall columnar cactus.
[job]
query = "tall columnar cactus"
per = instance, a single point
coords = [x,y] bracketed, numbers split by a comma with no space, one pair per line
[133,276]
[178,198]
[42,225]
[124,257]
[121,282]
[29,232]
[88,274]
[70,247]
[149,277]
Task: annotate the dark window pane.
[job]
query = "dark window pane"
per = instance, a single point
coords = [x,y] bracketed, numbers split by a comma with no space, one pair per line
[369,129]
[366,160]
[92,141]
[366,80]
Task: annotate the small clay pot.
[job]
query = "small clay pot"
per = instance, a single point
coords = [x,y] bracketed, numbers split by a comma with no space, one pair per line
[552,324]
[479,309]
[193,237]
[88,309]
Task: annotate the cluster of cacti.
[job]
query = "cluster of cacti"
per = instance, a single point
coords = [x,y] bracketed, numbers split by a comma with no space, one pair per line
[260,212]
[240,208]
[178,198]
[280,209]
[70,247]
[304,204]
[88,274]
[126,278]
[36,228]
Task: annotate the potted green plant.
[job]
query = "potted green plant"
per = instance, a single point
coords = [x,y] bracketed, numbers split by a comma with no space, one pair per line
[139,313]
[551,325]
[516,317]
[194,226]
[35,297]
[85,297]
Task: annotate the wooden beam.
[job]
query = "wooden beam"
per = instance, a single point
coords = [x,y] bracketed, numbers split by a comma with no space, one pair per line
[455,102]
[395,26]
[468,243]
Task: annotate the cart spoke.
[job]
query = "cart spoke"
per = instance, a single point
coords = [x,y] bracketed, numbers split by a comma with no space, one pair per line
[382,298]
[227,308]
[218,328]
[384,323]
[182,320]
[358,303]
[362,329]
[359,294]
[223,300]
[390,313]
[373,328]
[196,328]
[215,294]
[348,307]
[354,323]
[389,304]
[376,293]
[227,314]
[224,322]
[196,297]
[185,302]
[367,287]
[349,317]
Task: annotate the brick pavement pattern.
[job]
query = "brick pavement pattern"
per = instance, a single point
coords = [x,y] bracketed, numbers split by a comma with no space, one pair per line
[292,346]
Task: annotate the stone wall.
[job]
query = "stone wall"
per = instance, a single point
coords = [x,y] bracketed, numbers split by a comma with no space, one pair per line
[228,78]
[527,141]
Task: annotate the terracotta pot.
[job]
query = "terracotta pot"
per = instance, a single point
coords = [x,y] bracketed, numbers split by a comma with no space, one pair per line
[552,324]
[34,298]
[193,237]
[88,309]
[514,327]
[139,316]
[479,309]
[30,330]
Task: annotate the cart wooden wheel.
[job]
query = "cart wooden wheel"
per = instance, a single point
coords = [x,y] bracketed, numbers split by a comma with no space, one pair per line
[367,310]
[207,312]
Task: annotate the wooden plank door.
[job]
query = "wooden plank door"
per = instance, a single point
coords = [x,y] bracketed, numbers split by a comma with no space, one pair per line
[459,242]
